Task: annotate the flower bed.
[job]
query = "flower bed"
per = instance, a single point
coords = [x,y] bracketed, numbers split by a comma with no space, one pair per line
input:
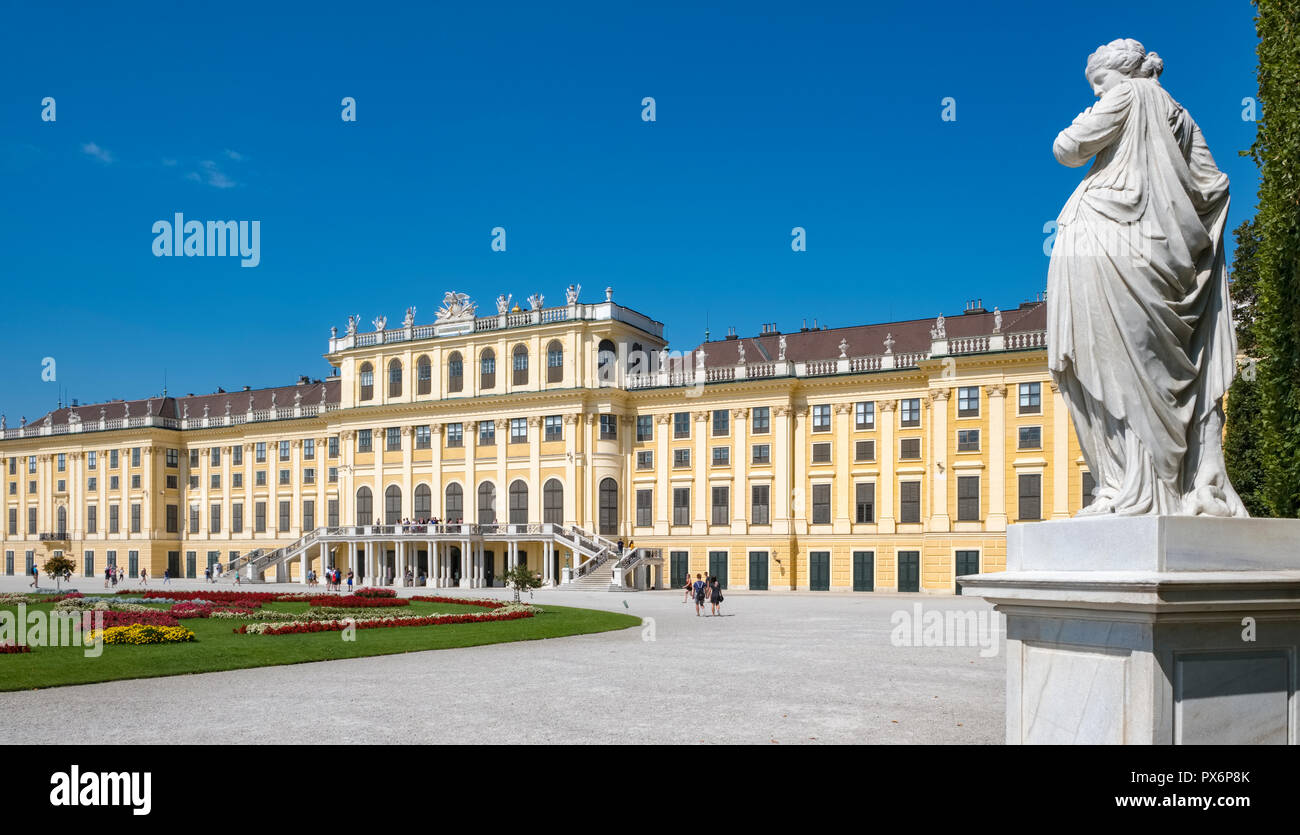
[302,627]
[141,634]
[353,601]
[206,608]
[463,601]
[249,599]
[313,614]
[150,617]
[10,648]
[371,591]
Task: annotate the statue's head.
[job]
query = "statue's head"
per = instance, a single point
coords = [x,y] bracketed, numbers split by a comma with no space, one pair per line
[1118,60]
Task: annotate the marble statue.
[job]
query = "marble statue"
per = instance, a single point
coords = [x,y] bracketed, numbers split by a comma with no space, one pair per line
[227,408]
[780,346]
[844,348]
[535,301]
[206,411]
[297,399]
[1139,328]
[997,320]
[380,322]
[503,303]
[740,351]
[185,411]
[455,306]
[938,331]
[409,320]
[571,294]
[353,321]
[2,423]
[889,343]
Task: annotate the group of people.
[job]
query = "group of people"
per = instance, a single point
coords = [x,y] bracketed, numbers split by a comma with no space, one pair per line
[212,573]
[414,525]
[334,579]
[704,589]
[113,575]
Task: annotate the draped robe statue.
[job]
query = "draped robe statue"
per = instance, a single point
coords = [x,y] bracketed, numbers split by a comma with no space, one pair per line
[1139,330]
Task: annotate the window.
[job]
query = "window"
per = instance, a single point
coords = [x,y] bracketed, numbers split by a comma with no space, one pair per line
[681,424]
[92,519]
[968,498]
[364,441]
[284,516]
[1031,497]
[13,521]
[259,452]
[395,378]
[968,440]
[645,428]
[760,504]
[518,430]
[365,506]
[237,455]
[681,505]
[721,505]
[194,518]
[607,507]
[214,456]
[681,458]
[821,504]
[214,518]
[608,427]
[821,417]
[284,476]
[259,517]
[606,361]
[259,478]
[61,486]
[553,502]
[308,514]
[644,508]
[135,456]
[518,503]
[333,475]
[968,401]
[89,563]
[334,447]
[821,453]
[554,362]
[909,501]
[423,506]
[112,461]
[284,450]
[194,459]
[92,458]
[135,482]
[309,449]
[864,415]
[455,372]
[214,481]
[909,412]
[865,502]
[393,439]
[173,519]
[423,439]
[455,504]
[762,454]
[236,479]
[721,456]
[423,376]
[487,371]
[487,433]
[1031,398]
[1089,485]
[554,425]
[31,485]
[309,475]
[909,449]
[455,434]
[332,513]
[367,381]
[864,451]
[721,422]
[761,420]
[487,503]
[62,461]
[1031,437]
[237,517]
[519,366]
[645,459]
[113,513]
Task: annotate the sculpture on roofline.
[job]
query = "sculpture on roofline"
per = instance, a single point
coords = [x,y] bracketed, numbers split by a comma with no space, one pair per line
[844,348]
[889,343]
[938,331]
[353,321]
[781,348]
[409,321]
[455,306]
[1139,328]
[503,303]
[997,320]
[740,348]
[535,301]
[572,293]
[380,322]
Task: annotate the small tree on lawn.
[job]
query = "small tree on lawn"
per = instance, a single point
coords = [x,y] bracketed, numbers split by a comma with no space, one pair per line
[58,565]
[520,579]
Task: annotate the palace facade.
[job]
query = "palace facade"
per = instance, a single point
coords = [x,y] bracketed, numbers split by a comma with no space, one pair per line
[884,457]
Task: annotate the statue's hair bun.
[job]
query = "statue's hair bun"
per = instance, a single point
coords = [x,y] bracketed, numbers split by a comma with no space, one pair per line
[1152,66]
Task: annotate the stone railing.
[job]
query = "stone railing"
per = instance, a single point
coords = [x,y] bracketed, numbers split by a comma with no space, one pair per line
[37,430]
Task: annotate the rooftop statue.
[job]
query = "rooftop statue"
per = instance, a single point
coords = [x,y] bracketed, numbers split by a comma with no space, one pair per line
[455,306]
[503,303]
[1139,331]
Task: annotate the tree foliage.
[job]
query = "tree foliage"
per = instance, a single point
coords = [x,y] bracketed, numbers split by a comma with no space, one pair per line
[520,578]
[58,565]
[1245,424]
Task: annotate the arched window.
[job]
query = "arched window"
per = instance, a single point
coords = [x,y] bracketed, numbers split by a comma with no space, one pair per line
[455,372]
[367,381]
[553,502]
[395,378]
[423,376]
[519,503]
[455,505]
[487,369]
[365,507]
[606,360]
[392,505]
[63,519]
[487,503]
[519,363]
[638,361]
[608,507]
[555,362]
[423,502]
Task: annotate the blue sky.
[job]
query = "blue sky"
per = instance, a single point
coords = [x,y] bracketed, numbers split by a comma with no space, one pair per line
[528,116]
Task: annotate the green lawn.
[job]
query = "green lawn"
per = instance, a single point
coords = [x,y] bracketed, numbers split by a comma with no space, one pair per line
[217,647]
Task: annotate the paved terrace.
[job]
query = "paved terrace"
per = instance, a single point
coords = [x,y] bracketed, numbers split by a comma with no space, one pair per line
[810,667]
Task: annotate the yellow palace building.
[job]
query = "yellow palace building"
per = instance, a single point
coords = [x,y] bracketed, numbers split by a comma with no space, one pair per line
[886,457]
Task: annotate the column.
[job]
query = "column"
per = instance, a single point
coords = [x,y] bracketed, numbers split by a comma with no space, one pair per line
[939,518]
[571,424]
[782,457]
[740,466]
[802,510]
[843,517]
[997,517]
[1060,455]
[700,465]
[886,455]
[589,520]
[663,466]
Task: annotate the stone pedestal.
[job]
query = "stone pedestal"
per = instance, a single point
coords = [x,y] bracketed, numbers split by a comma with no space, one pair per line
[1150,630]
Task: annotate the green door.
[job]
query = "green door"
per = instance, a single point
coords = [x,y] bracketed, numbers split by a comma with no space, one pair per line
[679,567]
[489,568]
[718,566]
[864,570]
[819,570]
[909,570]
[758,570]
[174,564]
[968,562]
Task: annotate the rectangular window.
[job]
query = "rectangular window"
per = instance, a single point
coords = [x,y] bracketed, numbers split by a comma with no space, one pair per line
[762,454]
[821,453]
[518,430]
[215,456]
[215,481]
[393,439]
[721,505]
[681,424]
[1031,497]
[365,442]
[92,458]
[237,517]
[864,415]
[681,458]
[721,456]
[135,456]
[135,518]
[968,401]
[554,426]
[135,482]
[309,475]
[284,450]
[645,428]
[761,420]
[1089,485]
[681,505]
[1031,398]
[61,486]
[864,451]
[608,427]
[332,509]
[308,514]
[487,433]
[284,516]
[88,566]
[721,422]
[31,521]
[821,417]
[968,440]
[760,504]
[644,508]
[1030,437]
[284,477]
[92,519]
[194,459]
[194,482]
[455,435]
[309,449]
[237,455]
[423,437]
[259,517]
[259,478]
[909,449]
[214,518]
[259,451]
[909,412]
[334,447]
[237,480]
[645,459]
[909,501]
[333,475]
[865,502]
[968,498]
[112,461]
[113,522]
[62,461]
[194,518]
[821,504]
[13,521]
[173,519]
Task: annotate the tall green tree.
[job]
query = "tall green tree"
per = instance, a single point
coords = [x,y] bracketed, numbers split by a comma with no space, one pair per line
[1245,423]
[1277,223]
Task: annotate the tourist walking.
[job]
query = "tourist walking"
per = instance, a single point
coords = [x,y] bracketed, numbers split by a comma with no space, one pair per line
[349,581]
[108,573]
[144,576]
[688,588]
[699,589]
[167,576]
[36,576]
[715,594]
